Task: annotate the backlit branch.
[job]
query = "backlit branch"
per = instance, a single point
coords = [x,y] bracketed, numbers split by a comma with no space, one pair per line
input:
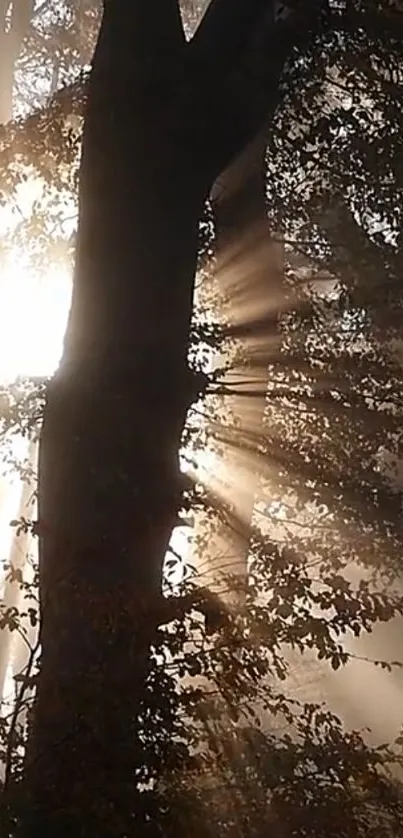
[225,31]
[242,90]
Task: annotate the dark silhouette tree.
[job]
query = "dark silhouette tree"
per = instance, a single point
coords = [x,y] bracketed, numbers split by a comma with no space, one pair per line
[109,482]
[163,119]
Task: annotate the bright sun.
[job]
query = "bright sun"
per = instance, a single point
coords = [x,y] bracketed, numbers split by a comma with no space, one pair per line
[33,304]
[34,307]
[33,314]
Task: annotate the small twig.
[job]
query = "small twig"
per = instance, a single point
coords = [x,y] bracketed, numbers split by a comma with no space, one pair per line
[14,718]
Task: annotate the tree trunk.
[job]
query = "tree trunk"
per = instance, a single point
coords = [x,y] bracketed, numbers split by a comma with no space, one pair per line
[109,484]
[6,68]
[109,481]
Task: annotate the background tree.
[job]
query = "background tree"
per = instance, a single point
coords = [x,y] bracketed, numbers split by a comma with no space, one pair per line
[15,19]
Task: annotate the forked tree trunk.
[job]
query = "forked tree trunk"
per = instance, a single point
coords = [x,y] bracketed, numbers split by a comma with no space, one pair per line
[109,484]
[108,475]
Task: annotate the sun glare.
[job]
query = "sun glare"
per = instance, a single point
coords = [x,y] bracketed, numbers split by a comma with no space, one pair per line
[33,314]
[33,303]
[34,306]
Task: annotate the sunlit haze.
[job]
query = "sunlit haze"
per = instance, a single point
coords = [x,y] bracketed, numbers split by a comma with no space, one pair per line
[34,305]
[33,313]
[34,301]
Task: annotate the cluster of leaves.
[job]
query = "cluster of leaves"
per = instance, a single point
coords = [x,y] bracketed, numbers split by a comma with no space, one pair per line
[222,745]
[331,448]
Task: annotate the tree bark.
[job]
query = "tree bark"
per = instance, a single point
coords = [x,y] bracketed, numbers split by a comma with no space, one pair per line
[109,481]
[108,476]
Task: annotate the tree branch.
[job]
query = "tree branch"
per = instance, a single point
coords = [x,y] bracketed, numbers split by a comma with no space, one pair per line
[146,35]
[237,102]
[225,30]
[203,600]
[242,90]
[355,255]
